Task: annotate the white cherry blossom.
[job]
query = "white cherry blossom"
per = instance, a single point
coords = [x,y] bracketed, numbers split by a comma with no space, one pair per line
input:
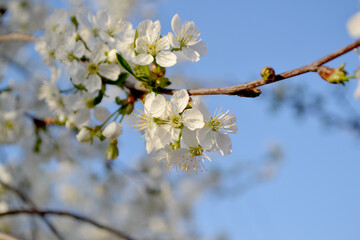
[151,46]
[187,39]
[96,67]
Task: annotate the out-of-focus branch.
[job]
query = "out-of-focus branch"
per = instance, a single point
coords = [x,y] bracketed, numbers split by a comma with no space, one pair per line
[4,236]
[17,37]
[67,214]
[32,205]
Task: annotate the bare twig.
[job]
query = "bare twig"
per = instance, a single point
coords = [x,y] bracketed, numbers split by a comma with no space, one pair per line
[67,214]
[17,37]
[32,205]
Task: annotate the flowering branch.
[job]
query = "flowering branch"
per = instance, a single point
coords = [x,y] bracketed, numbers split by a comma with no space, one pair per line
[248,89]
[241,89]
[66,214]
[32,205]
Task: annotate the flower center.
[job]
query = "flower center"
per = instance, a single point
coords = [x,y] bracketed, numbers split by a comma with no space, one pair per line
[92,68]
[215,124]
[196,151]
[176,121]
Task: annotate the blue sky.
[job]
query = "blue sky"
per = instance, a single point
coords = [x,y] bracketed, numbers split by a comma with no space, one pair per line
[316,193]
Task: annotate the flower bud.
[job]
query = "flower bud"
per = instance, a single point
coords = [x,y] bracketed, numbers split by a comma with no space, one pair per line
[333,75]
[112,131]
[268,74]
[112,152]
[157,70]
[84,135]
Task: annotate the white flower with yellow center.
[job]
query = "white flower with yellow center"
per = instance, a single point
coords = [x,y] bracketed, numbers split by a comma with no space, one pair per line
[90,76]
[187,39]
[149,121]
[215,134]
[179,117]
[151,46]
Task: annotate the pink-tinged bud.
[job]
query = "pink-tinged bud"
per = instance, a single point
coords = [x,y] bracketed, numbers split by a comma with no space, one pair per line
[268,74]
[157,70]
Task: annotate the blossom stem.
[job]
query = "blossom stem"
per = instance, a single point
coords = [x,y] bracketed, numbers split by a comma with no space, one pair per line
[113,114]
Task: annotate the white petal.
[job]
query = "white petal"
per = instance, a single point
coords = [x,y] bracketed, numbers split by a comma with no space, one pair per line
[357,91]
[79,50]
[83,135]
[201,48]
[190,54]
[166,59]
[148,101]
[101,113]
[109,71]
[198,104]
[158,106]
[206,137]
[98,52]
[176,25]
[173,41]
[93,83]
[180,100]
[223,142]
[192,119]
[353,25]
[79,77]
[143,59]
[189,137]
[112,131]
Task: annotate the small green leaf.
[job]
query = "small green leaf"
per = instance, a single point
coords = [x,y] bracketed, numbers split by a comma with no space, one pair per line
[100,96]
[124,64]
[121,79]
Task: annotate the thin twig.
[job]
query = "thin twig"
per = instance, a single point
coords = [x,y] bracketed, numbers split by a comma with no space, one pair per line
[17,37]
[67,214]
[32,205]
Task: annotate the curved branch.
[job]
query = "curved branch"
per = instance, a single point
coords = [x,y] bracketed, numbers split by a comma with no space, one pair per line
[32,205]
[17,37]
[67,214]
[240,88]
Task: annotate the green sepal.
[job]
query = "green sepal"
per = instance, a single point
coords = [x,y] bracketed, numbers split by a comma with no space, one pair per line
[100,96]
[124,64]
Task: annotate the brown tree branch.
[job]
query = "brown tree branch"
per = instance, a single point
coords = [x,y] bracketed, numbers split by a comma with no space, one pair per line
[17,37]
[32,205]
[241,88]
[245,89]
[67,214]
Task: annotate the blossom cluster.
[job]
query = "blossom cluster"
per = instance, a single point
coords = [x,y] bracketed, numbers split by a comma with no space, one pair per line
[103,49]
[183,130]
